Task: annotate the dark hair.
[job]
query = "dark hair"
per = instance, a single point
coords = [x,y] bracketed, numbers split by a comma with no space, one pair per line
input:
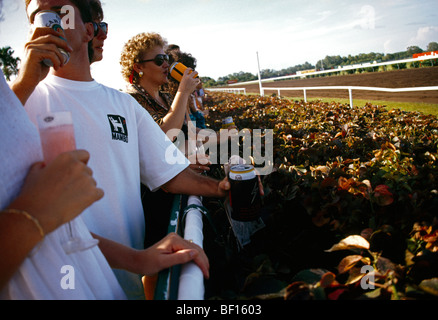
[96,15]
[96,10]
[171,47]
[82,5]
[176,55]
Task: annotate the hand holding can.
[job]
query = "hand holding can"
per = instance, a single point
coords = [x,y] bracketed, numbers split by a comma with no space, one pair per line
[50,19]
[177,70]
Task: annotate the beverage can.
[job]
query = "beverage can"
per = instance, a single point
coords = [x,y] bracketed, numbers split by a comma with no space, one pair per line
[244,194]
[51,19]
[177,70]
[227,122]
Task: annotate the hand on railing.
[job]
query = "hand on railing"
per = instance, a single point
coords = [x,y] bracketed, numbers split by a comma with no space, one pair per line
[170,251]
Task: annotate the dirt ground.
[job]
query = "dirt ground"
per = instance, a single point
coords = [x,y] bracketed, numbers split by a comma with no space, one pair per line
[420,77]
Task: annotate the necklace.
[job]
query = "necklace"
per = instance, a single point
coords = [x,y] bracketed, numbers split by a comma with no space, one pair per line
[150,98]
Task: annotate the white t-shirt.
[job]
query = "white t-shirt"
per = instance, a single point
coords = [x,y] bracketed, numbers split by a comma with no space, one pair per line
[48,273]
[126,147]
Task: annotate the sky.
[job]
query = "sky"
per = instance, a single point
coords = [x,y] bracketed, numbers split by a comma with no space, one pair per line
[229,36]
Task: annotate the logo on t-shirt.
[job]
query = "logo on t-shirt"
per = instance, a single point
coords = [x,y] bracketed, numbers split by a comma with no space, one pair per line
[119,129]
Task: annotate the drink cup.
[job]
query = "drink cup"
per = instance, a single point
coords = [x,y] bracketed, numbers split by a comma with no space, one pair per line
[227,123]
[57,136]
[177,70]
[244,194]
[56,133]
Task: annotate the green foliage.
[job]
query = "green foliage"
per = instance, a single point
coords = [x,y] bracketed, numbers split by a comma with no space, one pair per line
[352,187]
[432,46]
[8,63]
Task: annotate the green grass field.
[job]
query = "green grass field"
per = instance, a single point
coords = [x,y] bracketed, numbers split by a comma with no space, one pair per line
[426,108]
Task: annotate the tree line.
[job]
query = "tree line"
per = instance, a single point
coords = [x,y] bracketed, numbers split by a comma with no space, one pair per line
[9,64]
[329,62]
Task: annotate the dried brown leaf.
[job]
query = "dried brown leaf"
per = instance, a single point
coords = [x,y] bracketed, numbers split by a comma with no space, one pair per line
[348,262]
[351,242]
[430,286]
[328,279]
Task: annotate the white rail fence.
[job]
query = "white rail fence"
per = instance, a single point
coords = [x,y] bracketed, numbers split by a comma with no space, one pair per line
[230,90]
[340,69]
[183,282]
[349,88]
[191,279]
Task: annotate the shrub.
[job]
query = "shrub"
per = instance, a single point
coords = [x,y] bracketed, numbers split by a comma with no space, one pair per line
[340,172]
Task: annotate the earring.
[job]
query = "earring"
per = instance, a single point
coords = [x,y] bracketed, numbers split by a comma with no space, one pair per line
[141,74]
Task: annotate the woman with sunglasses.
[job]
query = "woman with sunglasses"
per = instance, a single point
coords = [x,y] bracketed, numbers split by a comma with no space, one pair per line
[145,65]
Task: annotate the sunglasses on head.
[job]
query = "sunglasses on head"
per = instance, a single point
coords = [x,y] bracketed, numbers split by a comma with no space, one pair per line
[158,60]
[102,26]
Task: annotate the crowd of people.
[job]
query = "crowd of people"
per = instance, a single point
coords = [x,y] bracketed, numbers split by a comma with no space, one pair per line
[106,188]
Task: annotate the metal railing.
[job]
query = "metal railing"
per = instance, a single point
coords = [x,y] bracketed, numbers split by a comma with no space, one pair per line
[230,90]
[339,69]
[349,88]
[183,282]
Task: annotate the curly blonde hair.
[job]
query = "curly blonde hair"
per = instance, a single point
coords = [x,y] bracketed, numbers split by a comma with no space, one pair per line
[135,49]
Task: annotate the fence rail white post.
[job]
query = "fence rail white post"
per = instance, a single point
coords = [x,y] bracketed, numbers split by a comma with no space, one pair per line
[343,68]
[350,89]
[191,280]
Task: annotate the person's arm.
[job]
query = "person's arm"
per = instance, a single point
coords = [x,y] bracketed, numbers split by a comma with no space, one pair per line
[18,236]
[189,182]
[51,196]
[171,250]
[174,119]
[44,44]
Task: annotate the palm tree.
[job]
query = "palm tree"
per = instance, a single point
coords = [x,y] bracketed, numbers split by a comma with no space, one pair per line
[8,63]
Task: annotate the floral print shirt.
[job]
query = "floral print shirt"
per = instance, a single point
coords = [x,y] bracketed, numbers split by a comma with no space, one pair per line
[155,109]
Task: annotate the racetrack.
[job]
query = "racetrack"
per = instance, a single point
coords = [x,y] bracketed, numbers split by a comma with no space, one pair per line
[421,77]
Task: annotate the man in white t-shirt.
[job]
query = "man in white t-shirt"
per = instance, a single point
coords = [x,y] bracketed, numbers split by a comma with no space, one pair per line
[109,124]
[35,202]
[39,272]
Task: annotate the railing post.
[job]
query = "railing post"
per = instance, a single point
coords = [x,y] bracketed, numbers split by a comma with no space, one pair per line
[350,92]
[305,95]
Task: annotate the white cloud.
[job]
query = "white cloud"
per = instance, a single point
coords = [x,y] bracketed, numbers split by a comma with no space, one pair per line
[424,36]
[367,16]
[389,47]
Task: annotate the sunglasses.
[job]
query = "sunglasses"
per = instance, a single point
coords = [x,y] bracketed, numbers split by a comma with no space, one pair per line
[102,26]
[158,60]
